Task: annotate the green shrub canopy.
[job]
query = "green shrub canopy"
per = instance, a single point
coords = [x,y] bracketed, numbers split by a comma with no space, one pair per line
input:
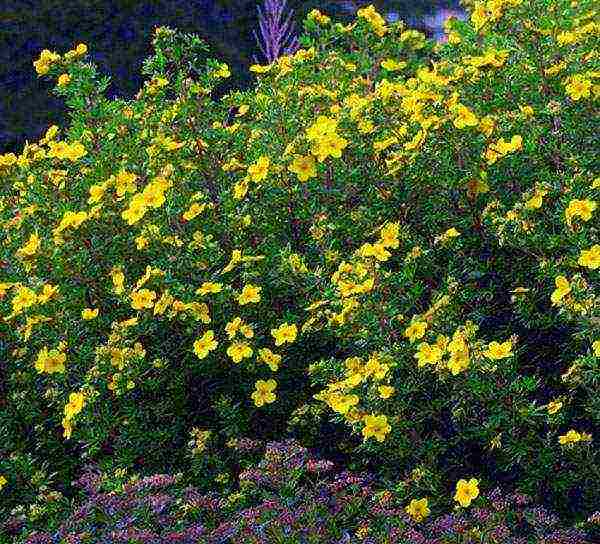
[395,236]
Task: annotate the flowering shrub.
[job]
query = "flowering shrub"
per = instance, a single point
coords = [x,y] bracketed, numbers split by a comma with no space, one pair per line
[404,233]
[289,496]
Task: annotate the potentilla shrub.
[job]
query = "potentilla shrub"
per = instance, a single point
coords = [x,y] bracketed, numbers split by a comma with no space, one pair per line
[413,225]
[289,496]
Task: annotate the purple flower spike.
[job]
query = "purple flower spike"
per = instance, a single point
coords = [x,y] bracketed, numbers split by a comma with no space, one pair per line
[277,31]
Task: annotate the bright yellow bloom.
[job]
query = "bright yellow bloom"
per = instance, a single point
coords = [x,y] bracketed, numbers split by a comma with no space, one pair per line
[205,344]
[465,117]
[318,17]
[554,406]
[562,289]
[391,65]
[209,287]
[428,354]
[578,87]
[264,392]
[591,257]
[375,426]
[125,182]
[24,298]
[89,313]
[250,293]
[31,247]
[415,330]
[499,351]
[466,491]
[81,49]
[239,350]
[71,219]
[304,167]
[153,194]
[418,509]
[385,391]
[596,348]
[571,437]
[375,20]
[75,405]
[233,326]
[284,333]
[144,298]
[3,481]
[272,359]
[50,361]
[63,80]
[259,170]
[136,210]
[329,145]
[118,279]
[580,208]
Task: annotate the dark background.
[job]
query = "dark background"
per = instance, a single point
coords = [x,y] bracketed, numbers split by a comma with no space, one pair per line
[118,35]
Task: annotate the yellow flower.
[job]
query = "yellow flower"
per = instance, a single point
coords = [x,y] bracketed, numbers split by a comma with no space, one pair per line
[499,351]
[125,182]
[391,65]
[50,361]
[264,392]
[375,426]
[259,170]
[591,257]
[418,509]
[71,219]
[428,354]
[250,293]
[272,359]
[284,333]
[67,427]
[375,20]
[31,247]
[118,279]
[596,348]
[194,210]
[415,330]
[571,437]
[3,481]
[153,195]
[81,49]
[209,287]
[459,361]
[329,145]
[554,406]
[239,350]
[136,210]
[317,16]
[89,313]
[562,288]
[205,344]
[304,167]
[466,491]
[63,80]
[258,69]
[385,391]
[465,117]
[75,405]
[144,298]
[580,208]
[24,298]
[578,87]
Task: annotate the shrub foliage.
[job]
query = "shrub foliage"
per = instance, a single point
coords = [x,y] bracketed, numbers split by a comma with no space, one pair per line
[388,247]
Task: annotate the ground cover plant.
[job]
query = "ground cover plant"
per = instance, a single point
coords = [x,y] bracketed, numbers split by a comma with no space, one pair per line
[387,249]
